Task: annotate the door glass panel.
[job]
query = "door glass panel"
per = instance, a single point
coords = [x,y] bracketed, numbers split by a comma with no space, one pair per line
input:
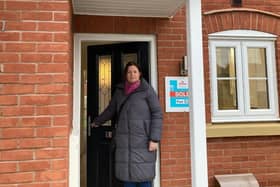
[104,80]
[257,72]
[129,57]
[226,78]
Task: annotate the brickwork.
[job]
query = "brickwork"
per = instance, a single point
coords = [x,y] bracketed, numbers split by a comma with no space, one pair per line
[175,146]
[259,155]
[35,92]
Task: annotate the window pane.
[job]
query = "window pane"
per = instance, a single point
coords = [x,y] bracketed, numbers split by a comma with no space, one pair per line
[225,62]
[258,94]
[227,99]
[226,77]
[257,62]
[258,78]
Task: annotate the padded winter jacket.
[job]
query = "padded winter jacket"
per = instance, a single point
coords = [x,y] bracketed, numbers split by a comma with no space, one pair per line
[139,121]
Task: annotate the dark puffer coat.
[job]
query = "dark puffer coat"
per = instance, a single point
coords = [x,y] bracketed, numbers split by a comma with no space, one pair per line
[139,121]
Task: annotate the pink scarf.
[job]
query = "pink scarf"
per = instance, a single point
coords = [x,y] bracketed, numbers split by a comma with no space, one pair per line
[130,87]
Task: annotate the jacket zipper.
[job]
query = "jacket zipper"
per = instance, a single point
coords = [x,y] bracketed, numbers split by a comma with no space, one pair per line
[129,143]
[129,152]
[129,137]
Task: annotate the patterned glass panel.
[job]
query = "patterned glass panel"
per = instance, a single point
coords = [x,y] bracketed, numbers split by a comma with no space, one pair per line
[104,82]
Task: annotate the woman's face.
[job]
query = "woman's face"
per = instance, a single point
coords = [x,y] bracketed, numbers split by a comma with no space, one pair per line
[132,74]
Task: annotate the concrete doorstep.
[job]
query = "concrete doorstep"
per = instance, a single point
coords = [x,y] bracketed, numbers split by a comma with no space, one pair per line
[237,180]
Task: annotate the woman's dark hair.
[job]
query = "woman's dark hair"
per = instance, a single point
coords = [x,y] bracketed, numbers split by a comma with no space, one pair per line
[131,63]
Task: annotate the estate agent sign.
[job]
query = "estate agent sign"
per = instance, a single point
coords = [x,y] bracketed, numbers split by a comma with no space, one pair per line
[176,94]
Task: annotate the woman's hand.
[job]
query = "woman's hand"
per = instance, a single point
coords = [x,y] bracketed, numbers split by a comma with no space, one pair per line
[93,125]
[153,146]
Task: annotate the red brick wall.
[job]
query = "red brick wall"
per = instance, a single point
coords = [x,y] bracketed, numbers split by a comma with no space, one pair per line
[35,92]
[171,47]
[259,155]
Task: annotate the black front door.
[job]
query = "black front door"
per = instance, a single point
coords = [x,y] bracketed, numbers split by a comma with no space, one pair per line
[105,68]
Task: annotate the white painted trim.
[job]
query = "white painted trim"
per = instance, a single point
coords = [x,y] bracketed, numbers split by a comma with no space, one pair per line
[128,8]
[199,167]
[214,87]
[74,140]
[244,113]
[242,34]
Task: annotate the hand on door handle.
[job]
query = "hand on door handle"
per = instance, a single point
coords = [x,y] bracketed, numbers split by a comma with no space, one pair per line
[93,125]
[90,125]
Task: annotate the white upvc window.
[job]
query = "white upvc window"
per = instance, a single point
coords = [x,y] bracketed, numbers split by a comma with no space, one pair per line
[243,76]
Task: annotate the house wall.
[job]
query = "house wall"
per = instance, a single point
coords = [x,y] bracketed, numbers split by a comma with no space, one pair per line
[171,47]
[35,92]
[259,155]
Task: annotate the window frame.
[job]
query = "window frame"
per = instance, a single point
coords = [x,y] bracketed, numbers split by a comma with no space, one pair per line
[241,40]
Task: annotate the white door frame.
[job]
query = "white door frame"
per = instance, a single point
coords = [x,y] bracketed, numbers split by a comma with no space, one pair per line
[74,139]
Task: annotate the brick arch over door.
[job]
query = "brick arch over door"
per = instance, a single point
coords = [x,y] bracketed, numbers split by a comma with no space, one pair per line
[242,154]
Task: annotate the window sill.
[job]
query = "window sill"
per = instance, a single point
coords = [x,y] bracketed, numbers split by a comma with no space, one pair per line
[214,130]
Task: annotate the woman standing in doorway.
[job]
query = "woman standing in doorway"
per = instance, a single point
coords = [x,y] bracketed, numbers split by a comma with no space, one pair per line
[138,128]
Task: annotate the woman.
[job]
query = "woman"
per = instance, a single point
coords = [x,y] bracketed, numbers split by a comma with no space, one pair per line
[138,128]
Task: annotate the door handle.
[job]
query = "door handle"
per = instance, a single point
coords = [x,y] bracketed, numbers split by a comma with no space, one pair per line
[108,134]
[88,126]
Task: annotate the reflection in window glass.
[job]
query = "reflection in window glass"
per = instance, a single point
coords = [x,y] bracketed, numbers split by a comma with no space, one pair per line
[226,78]
[257,62]
[258,94]
[257,72]
[227,94]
